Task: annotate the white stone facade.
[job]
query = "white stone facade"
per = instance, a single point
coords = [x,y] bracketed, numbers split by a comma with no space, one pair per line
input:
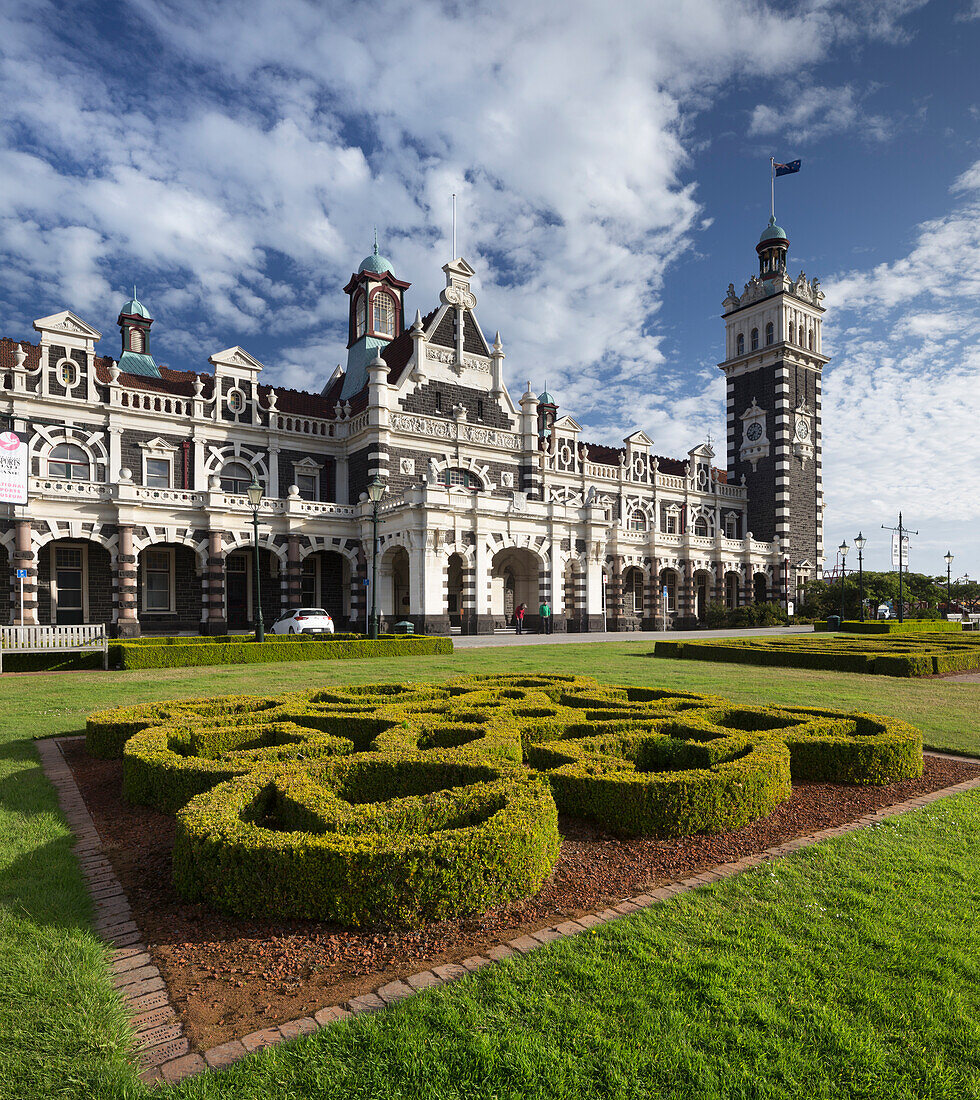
[138,514]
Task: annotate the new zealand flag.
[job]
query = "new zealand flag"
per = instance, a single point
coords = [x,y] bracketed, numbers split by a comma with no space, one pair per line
[787,169]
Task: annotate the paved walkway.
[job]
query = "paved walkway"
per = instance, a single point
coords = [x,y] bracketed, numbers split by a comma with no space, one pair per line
[645,637]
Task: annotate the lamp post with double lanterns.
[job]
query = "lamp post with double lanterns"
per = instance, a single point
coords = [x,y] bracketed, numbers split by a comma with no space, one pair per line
[255,499]
[859,544]
[842,550]
[948,559]
[376,490]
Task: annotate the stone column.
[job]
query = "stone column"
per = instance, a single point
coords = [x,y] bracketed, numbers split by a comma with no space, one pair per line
[614,595]
[685,600]
[593,617]
[24,557]
[215,622]
[719,585]
[654,610]
[127,622]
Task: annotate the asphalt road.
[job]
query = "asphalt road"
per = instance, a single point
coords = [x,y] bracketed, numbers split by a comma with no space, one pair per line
[479,641]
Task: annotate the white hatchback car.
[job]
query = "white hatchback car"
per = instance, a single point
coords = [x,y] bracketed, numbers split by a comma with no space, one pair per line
[304,620]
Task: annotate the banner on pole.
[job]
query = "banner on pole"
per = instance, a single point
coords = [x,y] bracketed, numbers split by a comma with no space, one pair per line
[14,466]
[900,559]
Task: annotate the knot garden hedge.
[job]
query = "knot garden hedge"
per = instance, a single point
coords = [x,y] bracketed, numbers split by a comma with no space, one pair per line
[402,803]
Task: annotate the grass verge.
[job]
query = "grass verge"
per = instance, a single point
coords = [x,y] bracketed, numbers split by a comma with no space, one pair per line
[852,973]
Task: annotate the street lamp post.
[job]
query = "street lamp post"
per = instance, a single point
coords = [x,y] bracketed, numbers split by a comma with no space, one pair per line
[255,499]
[843,548]
[948,558]
[859,543]
[376,490]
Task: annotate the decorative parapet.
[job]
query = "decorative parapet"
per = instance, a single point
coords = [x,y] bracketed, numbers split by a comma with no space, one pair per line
[434,427]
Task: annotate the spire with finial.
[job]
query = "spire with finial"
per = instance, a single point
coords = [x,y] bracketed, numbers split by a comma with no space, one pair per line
[375,240]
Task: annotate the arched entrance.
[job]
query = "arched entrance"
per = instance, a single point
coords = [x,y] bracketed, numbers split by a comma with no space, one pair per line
[760,588]
[454,591]
[240,607]
[514,580]
[394,601]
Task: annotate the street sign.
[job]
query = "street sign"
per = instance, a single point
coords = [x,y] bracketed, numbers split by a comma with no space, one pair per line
[14,465]
[21,573]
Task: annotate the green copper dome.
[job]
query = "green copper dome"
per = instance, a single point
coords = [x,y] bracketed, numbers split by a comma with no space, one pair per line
[546,399]
[376,262]
[134,308]
[773,232]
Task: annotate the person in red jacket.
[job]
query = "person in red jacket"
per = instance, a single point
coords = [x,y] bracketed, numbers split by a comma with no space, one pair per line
[519,616]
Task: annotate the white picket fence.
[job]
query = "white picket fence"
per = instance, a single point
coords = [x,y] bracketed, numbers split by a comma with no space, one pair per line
[85,638]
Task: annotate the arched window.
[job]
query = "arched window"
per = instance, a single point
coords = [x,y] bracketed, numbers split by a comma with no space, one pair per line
[769,333]
[701,527]
[68,373]
[638,520]
[740,344]
[811,339]
[383,314]
[790,337]
[360,317]
[235,478]
[456,478]
[70,462]
[755,339]
[136,340]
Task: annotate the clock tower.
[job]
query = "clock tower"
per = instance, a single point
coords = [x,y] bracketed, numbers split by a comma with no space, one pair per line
[773,363]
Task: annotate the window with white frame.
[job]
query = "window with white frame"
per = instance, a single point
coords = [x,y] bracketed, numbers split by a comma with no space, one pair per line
[668,584]
[70,462]
[633,591]
[236,400]
[669,523]
[157,473]
[731,526]
[456,478]
[136,340]
[638,520]
[235,478]
[701,528]
[383,314]
[308,485]
[158,581]
[68,373]
[360,317]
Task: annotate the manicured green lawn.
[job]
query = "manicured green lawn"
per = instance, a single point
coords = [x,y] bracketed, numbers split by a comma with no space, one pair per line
[847,970]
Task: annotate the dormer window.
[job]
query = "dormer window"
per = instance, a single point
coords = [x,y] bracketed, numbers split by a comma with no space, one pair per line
[740,344]
[769,333]
[755,339]
[136,340]
[383,314]
[360,317]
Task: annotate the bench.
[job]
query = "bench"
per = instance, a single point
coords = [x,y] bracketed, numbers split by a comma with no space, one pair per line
[55,639]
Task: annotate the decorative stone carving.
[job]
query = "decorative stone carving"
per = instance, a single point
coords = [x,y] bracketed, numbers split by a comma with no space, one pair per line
[506,480]
[407,466]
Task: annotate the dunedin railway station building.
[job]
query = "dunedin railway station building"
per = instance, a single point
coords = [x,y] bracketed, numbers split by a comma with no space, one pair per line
[138,514]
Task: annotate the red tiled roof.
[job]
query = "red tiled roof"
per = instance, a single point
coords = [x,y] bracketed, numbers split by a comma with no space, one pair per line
[8,347]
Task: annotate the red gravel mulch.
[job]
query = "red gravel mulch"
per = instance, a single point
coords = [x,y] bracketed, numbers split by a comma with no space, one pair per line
[228,977]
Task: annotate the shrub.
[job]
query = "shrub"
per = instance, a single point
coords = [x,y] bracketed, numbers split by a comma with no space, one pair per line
[411,802]
[184,652]
[309,845]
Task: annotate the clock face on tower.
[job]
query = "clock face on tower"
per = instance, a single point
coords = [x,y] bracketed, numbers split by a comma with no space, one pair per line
[802,429]
[753,432]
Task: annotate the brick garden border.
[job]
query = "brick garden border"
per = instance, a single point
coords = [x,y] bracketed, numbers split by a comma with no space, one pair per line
[163,1050]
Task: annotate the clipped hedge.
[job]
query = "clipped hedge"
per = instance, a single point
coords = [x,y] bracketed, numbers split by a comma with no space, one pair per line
[186,652]
[265,845]
[892,626]
[402,803]
[919,653]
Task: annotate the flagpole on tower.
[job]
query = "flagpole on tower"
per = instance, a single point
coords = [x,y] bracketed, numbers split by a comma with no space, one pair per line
[772,187]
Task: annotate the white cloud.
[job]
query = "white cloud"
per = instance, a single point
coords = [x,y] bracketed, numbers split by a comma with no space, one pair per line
[809,113]
[901,395]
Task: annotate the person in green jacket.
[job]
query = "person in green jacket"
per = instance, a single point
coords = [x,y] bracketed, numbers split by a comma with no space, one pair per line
[545,612]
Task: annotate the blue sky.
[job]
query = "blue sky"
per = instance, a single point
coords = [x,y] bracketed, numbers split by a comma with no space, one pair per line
[612,174]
